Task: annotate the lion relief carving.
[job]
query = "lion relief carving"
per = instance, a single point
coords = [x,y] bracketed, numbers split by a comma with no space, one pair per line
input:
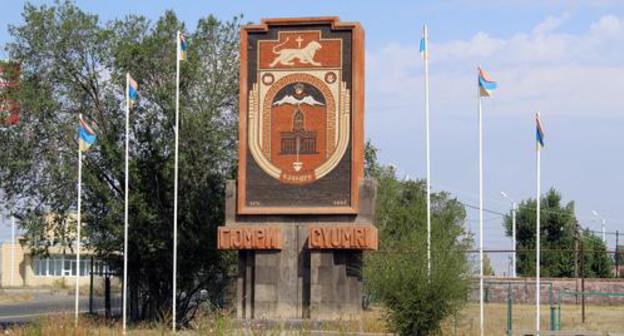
[304,55]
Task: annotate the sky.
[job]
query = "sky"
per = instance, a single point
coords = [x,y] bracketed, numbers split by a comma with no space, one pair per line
[562,58]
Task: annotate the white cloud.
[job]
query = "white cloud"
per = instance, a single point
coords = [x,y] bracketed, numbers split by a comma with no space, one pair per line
[580,74]
[608,26]
[550,24]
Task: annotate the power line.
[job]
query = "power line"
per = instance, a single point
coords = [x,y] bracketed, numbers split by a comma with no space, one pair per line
[522,250]
[484,209]
[498,213]
[551,211]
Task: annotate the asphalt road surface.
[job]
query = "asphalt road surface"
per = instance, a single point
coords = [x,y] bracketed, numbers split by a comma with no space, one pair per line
[43,304]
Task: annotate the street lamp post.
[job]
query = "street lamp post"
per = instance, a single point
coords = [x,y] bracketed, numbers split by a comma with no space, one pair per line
[513,231]
[603,223]
[12,250]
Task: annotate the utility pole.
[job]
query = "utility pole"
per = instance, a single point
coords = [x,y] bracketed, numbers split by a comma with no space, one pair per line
[576,263]
[514,207]
[513,236]
[91,286]
[583,282]
[617,253]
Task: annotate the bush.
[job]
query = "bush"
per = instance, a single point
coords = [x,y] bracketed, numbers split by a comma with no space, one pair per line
[396,275]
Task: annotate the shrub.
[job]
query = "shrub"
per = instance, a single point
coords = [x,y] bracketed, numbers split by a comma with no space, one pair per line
[396,275]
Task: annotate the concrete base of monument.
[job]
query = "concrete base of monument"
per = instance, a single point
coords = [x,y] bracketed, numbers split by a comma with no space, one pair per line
[288,276]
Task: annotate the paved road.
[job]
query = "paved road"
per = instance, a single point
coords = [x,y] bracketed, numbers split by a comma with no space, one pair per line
[45,304]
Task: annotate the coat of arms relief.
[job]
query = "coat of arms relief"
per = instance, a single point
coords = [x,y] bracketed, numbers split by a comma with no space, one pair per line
[299,108]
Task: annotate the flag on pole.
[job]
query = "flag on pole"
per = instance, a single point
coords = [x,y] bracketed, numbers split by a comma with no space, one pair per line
[182,47]
[133,91]
[86,136]
[539,132]
[539,137]
[182,56]
[485,89]
[486,84]
[423,47]
[423,54]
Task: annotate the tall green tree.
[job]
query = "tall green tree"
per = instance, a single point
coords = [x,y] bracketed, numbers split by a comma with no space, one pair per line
[559,236]
[397,275]
[596,261]
[73,63]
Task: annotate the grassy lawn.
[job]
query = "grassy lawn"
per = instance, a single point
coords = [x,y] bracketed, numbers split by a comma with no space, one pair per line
[216,324]
[598,318]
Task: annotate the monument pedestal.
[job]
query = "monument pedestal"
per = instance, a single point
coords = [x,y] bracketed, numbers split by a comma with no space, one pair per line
[300,214]
[305,266]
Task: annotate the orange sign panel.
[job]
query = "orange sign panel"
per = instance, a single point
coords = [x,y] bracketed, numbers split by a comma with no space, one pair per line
[355,237]
[300,49]
[252,237]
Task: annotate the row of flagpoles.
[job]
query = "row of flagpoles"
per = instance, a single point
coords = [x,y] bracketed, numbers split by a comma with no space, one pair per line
[87,137]
[485,88]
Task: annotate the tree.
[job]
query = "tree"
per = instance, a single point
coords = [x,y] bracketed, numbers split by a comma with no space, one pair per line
[559,231]
[598,263]
[397,275]
[488,270]
[72,63]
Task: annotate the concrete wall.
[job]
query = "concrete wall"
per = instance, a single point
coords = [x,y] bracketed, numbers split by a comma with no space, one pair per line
[8,266]
[336,290]
[279,277]
[523,289]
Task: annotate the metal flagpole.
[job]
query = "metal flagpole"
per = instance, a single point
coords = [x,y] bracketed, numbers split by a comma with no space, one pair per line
[481,307]
[79,217]
[537,239]
[426,59]
[175,184]
[125,271]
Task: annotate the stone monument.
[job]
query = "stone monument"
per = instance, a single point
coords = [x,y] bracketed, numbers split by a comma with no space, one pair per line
[300,214]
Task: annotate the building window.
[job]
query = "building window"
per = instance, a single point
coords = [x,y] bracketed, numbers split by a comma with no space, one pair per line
[59,265]
[51,266]
[36,266]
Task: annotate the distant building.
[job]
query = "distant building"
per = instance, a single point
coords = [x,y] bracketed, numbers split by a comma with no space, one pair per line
[20,267]
[59,267]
